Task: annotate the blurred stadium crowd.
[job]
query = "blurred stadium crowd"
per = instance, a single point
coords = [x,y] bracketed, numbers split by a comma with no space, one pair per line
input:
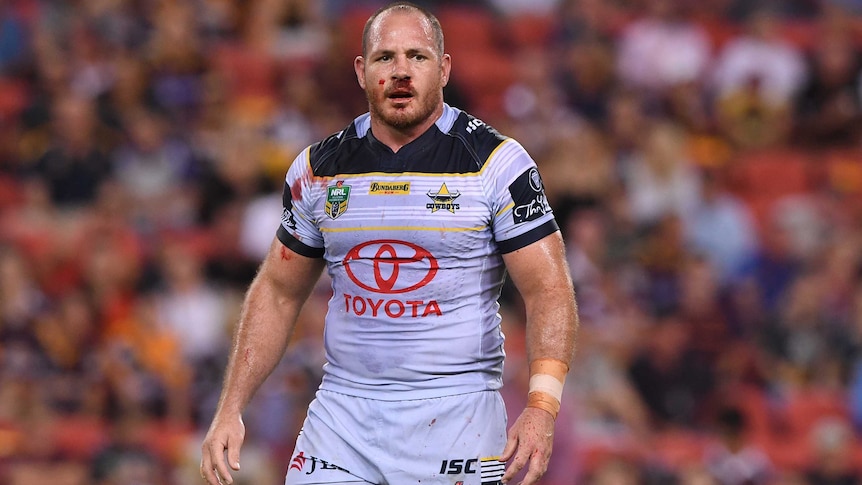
[704,158]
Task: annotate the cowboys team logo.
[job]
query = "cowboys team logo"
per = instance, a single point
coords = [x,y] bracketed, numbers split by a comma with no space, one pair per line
[337,197]
[443,199]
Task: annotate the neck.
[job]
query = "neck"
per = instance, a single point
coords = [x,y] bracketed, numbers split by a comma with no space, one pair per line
[395,138]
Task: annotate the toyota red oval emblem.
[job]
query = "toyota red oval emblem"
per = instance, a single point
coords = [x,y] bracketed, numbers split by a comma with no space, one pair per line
[398,266]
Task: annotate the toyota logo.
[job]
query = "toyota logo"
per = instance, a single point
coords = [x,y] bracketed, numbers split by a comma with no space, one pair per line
[389,257]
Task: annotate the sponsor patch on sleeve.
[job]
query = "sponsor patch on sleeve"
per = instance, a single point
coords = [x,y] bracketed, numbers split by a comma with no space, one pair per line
[528,194]
[287,218]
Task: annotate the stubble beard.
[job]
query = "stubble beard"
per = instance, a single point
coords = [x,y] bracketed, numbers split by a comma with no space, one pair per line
[402,119]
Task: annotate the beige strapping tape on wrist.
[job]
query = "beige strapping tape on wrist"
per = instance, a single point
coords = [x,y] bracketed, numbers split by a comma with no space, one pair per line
[547,377]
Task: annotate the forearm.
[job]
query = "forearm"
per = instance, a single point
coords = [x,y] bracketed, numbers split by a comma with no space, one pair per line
[552,323]
[542,276]
[551,328]
[266,323]
[260,338]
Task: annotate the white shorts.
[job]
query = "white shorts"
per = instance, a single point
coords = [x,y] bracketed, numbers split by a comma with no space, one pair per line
[448,440]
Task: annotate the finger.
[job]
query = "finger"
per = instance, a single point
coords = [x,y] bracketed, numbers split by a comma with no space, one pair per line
[511,446]
[233,447]
[207,472]
[538,467]
[217,453]
[517,464]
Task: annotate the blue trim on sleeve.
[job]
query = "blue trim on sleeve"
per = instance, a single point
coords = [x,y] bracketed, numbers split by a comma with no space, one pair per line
[296,246]
[528,238]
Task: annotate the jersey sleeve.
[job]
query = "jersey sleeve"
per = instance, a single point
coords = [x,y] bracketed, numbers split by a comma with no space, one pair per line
[298,230]
[522,214]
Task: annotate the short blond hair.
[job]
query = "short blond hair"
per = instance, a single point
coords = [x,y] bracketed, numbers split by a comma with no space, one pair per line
[436,28]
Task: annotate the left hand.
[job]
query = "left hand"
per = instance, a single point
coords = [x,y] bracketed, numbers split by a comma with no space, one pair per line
[530,439]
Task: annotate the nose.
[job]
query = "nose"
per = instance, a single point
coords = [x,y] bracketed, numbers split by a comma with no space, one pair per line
[401,68]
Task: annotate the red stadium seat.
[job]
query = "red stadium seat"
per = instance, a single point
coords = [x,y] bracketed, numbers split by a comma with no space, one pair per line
[806,408]
[761,178]
[350,26]
[531,30]
[468,29]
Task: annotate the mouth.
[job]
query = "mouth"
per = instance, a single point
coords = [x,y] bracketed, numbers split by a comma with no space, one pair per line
[400,98]
[400,94]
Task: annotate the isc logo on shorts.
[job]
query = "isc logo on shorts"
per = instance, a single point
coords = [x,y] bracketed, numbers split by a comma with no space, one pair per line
[490,468]
[455,467]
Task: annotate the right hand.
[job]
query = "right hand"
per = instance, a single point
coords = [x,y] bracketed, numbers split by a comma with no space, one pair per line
[223,435]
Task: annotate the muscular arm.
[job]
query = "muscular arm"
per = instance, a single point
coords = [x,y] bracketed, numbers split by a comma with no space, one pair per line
[541,275]
[267,320]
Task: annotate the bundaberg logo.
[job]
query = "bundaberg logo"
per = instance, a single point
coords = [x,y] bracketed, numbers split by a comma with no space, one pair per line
[443,199]
[337,197]
[389,188]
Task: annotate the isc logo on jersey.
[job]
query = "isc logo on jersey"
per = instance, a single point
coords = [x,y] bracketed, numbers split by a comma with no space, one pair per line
[390,270]
[473,124]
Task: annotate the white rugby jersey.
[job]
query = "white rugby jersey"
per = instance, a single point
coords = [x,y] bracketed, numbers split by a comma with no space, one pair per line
[413,241]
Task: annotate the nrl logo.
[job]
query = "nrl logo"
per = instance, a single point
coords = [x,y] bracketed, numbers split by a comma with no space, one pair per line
[337,197]
[443,199]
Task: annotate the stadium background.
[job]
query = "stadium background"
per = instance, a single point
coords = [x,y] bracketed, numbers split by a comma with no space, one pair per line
[704,158]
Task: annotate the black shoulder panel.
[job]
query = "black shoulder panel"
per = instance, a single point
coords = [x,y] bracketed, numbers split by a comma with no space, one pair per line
[464,149]
[330,155]
[481,139]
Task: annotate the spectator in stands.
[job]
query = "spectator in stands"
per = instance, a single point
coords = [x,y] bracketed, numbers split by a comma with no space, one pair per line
[828,108]
[702,309]
[587,77]
[616,471]
[775,266]
[660,180]
[662,49]
[196,313]
[804,344]
[21,298]
[722,227]
[70,357]
[834,461]
[145,367]
[74,165]
[128,457]
[131,91]
[734,460]
[13,40]
[176,60]
[534,108]
[754,81]
[156,172]
[672,380]
[761,54]
[525,7]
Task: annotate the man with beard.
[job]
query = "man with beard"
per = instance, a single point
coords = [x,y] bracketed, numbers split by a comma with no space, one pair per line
[418,211]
